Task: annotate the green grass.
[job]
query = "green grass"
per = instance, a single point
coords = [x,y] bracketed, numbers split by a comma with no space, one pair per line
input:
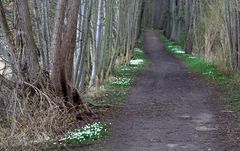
[113,92]
[87,134]
[116,88]
[139,41]
[194,62]
[227,82]
[182,39]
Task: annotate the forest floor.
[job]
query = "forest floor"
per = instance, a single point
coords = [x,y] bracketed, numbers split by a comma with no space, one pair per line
[171,108]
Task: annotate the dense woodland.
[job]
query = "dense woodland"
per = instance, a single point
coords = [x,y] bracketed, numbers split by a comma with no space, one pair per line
[54,51]
[207,28]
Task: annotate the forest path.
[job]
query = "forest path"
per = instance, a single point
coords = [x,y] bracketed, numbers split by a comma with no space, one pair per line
[169,109]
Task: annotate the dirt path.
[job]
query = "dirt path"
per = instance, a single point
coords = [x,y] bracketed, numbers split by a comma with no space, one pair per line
[169,109]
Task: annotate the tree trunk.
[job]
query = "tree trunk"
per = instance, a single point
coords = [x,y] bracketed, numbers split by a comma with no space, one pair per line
[29,51]
[57,62]
[6,30]
[96,50]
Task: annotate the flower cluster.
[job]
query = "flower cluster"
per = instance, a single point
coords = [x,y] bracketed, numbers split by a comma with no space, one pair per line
[136,62]
[209,73]
[176,49]
[125,68]
[122,81]
[87,134]
[192,57]
[138,50]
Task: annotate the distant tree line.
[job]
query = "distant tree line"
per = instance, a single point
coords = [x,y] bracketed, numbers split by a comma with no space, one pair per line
[210,28]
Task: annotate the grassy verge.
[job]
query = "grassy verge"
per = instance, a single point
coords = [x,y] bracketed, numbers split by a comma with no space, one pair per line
[229,83]
[113,92]
[87,134]
[116,88]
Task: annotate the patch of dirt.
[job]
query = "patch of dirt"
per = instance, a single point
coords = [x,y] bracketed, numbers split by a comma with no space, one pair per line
[171,109]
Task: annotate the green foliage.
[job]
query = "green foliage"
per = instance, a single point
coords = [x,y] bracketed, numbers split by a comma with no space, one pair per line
[116,89]
[229,83]
[139,41]
[113,91]
[87,134]
[128,70]
[122,81]
[83,136]
[125,70]
[181,39]
[201,66]
[196,63]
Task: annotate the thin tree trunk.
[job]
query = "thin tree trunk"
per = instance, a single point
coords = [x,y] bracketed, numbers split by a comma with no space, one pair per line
[6,30]
[96,53]
[57,62]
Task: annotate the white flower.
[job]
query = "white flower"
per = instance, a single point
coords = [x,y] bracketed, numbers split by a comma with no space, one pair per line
[138,50]
[87,133]
[171,46]
[192,57]
[122,81]
[125,68]
[136,62]
[180,52]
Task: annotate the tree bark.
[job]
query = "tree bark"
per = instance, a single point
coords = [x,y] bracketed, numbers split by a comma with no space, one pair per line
[6,30]
[96,50]
[57,61]
[30,53]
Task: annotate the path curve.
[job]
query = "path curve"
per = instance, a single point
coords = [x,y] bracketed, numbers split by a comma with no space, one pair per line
[169,109]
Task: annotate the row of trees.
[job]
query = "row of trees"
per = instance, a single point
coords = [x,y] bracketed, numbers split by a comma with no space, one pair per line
[79,45]
[208,28]
[52,50]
